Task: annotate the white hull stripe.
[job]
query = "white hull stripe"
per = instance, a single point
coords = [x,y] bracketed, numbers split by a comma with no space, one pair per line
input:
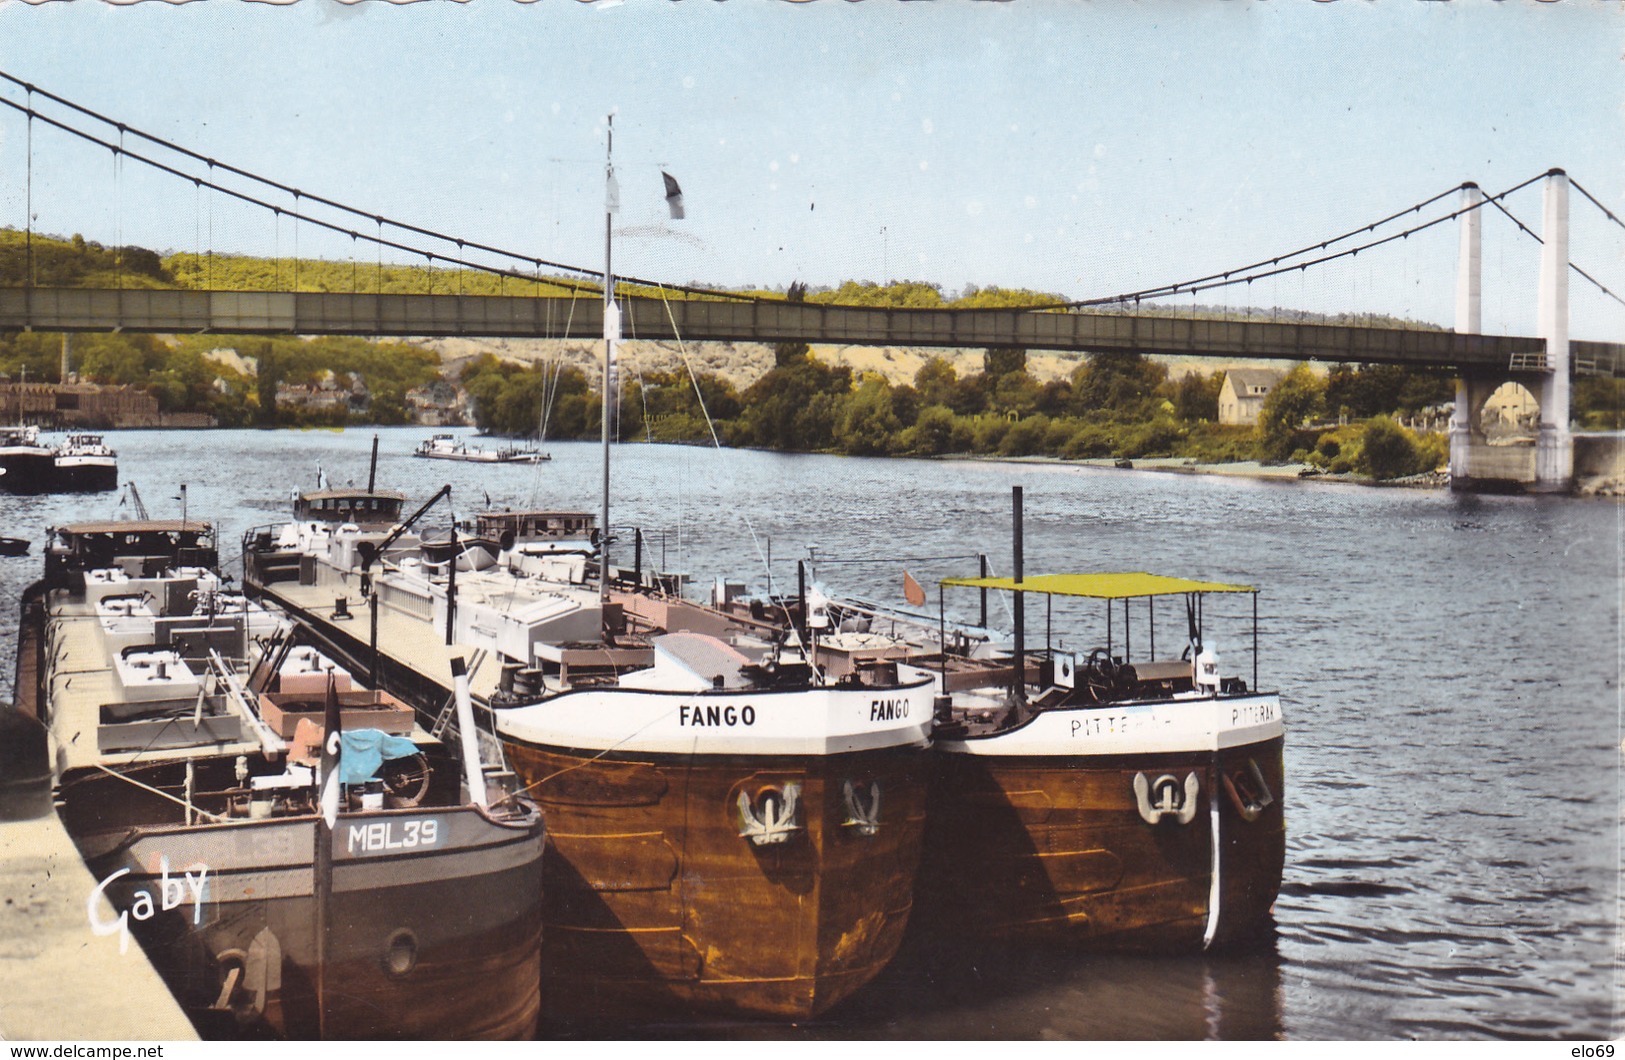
[815,721]
[1177,725]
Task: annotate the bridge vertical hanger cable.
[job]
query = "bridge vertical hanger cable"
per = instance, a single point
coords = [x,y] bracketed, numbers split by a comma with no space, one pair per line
[197,224]
[28,203]
[118,210]
[296,241]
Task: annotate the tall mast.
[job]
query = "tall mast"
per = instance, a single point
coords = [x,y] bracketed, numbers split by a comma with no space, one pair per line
[612,333]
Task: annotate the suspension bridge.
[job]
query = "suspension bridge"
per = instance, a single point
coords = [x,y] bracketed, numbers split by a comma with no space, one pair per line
[1124,322]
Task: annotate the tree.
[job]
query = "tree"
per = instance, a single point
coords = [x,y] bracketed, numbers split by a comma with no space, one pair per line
[1120,383]
[932,433]
[1382,389]
[1196,397]
[267,375]
[867,420]
[1000,361]
[903,294]
[1388,451]
[1297,397]
[1003,298]
[1015,392]
[936,381]
[794,406]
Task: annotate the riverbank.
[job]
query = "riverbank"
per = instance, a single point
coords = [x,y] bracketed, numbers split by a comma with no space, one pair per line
[1258,470]
[1605,486]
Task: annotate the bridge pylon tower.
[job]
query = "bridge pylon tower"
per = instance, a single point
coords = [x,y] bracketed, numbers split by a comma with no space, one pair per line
[1548,467]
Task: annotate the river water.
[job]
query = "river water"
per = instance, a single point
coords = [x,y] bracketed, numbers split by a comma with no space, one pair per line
[1449,668]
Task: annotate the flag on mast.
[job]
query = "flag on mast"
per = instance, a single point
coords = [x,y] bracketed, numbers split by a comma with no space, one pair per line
[332,740]
[674,196]
[912,591]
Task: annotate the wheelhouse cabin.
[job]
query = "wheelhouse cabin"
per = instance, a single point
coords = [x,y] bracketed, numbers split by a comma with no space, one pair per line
[368,509]
[138,548]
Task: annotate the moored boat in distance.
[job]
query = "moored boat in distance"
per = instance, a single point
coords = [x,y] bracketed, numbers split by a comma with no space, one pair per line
[27,465]
[450,447]
[85,464]
[195,742]
[1105,797]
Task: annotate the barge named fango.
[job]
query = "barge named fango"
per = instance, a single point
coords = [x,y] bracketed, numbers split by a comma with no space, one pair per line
[734,825]
[293,853]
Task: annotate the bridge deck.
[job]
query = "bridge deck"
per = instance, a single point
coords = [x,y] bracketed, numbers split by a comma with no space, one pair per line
[323,313]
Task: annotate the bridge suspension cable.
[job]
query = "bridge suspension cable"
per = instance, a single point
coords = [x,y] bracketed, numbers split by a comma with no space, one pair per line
[299,194]
[1606,211]
[1230,277]
[1526,230]
[1203,283]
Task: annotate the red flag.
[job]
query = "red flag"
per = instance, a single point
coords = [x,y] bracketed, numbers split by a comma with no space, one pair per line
[912,591]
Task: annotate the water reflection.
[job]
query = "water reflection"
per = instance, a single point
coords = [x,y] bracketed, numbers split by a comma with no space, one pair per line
[942,989]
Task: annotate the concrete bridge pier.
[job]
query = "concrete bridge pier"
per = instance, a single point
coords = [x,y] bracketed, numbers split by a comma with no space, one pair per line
[1554,446]
[1466,426]
[1548,467]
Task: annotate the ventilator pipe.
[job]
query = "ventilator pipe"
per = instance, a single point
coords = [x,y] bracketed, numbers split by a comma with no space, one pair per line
[467,734]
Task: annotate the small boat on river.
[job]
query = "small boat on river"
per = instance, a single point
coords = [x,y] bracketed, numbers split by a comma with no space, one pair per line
[85,464]
[293,852]
[27,464]
[450,447]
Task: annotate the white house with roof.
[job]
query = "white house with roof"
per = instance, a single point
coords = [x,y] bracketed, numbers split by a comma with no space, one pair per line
[1243,394]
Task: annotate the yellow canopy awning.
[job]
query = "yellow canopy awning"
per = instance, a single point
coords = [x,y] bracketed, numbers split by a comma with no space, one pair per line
[1102,586]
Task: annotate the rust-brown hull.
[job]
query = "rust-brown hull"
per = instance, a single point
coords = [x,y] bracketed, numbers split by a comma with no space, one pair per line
[654,901]
[1054,849]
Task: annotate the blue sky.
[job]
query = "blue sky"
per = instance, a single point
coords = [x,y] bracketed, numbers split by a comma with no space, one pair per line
[1081,148]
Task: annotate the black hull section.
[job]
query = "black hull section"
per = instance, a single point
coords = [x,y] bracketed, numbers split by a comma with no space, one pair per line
[29,473]
[84,478]
[35,474]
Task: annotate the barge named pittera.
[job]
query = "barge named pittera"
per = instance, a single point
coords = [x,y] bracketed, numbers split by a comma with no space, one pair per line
[1108,797]
[291,851]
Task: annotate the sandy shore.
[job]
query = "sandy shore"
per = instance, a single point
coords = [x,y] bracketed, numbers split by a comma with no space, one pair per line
[1583,487]
[1256,470]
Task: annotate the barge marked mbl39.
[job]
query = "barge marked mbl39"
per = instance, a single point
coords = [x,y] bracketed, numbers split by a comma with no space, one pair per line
[415,912]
